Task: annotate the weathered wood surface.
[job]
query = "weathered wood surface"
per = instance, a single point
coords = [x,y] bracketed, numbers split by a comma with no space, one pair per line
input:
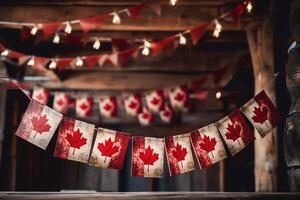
[148,195]
[260,41]
[292,135]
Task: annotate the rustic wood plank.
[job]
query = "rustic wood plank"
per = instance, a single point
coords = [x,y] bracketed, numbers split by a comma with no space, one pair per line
[148,195]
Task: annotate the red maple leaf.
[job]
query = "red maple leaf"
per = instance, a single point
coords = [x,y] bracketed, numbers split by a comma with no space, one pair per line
[233,132]
[40,125]
[132,105]
[83,106]
[107,148]
[107,107]
[155,101]
[40,97]
[148,156]
[167,113]
[60,102]
[76,140]
[260,114]
[208,144]
[179,153]
[180,96]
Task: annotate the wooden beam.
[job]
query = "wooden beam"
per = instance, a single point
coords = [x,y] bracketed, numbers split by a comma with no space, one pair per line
[172,19]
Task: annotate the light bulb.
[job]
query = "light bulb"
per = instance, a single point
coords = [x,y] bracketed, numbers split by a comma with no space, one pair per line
[56,39]
[68,28]
[182,39]
[97,44]
[34,30]
[31,62]
[78,62]
[53,64]
[147,44]
[218,29]
[218,95]
[173,2]
[249,7]
[146,51]
[116,18]
[4,53]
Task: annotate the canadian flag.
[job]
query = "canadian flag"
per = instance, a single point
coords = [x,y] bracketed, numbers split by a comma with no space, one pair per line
[133,104]
[38,124]
[179,154]
[61,102]
[167,114]
[179,98]
[40,94]
[109,149]
[236,132]
[145,118]
[108,106]
[155,100]
[262,113]
[74,140]
[84,106]
[147,157]
[207,145]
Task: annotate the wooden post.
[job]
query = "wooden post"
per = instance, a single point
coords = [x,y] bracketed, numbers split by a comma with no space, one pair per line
[260,40]
[292,135]
[2,108]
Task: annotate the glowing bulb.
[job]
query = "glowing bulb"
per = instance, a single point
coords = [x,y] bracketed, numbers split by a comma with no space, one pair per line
[53,64]
[218,29]
[4,53]
[116,18]
[68,28]
[147,44]
[78,62]
[218,95]
[56,39]
[146,51]
[182,39]
[31,62]
[249,7]
[173,2]
[97,44]
[34,30]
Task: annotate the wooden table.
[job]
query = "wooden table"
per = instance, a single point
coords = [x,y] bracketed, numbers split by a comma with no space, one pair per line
[146,195]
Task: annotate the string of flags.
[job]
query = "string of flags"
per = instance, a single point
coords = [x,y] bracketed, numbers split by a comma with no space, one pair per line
[120,57]
[108,149]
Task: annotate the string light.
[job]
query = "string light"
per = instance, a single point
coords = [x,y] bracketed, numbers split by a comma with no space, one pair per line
[34,30]
[249,7]
[78,62]
[146,48]
[116,18]
[218,28]
[97,44]
[68,28]
[4,53]
[173,2]
[53,64]
[218,95]
[31,62]
[182,39]
[56,39]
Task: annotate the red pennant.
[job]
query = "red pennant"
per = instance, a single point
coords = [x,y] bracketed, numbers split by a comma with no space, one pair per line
[91,61]
[135,11]
[50,28]
[197,83]
[126,54]
[155,7]
[161,44]
[237,12]
[2,47]
[197,32]
[25,34]
[119,43]
[92,23]
[39,63]
[15,54]
[64,62]
[201,95]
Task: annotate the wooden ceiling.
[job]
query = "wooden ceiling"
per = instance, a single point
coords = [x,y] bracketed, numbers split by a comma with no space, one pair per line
[171,68]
